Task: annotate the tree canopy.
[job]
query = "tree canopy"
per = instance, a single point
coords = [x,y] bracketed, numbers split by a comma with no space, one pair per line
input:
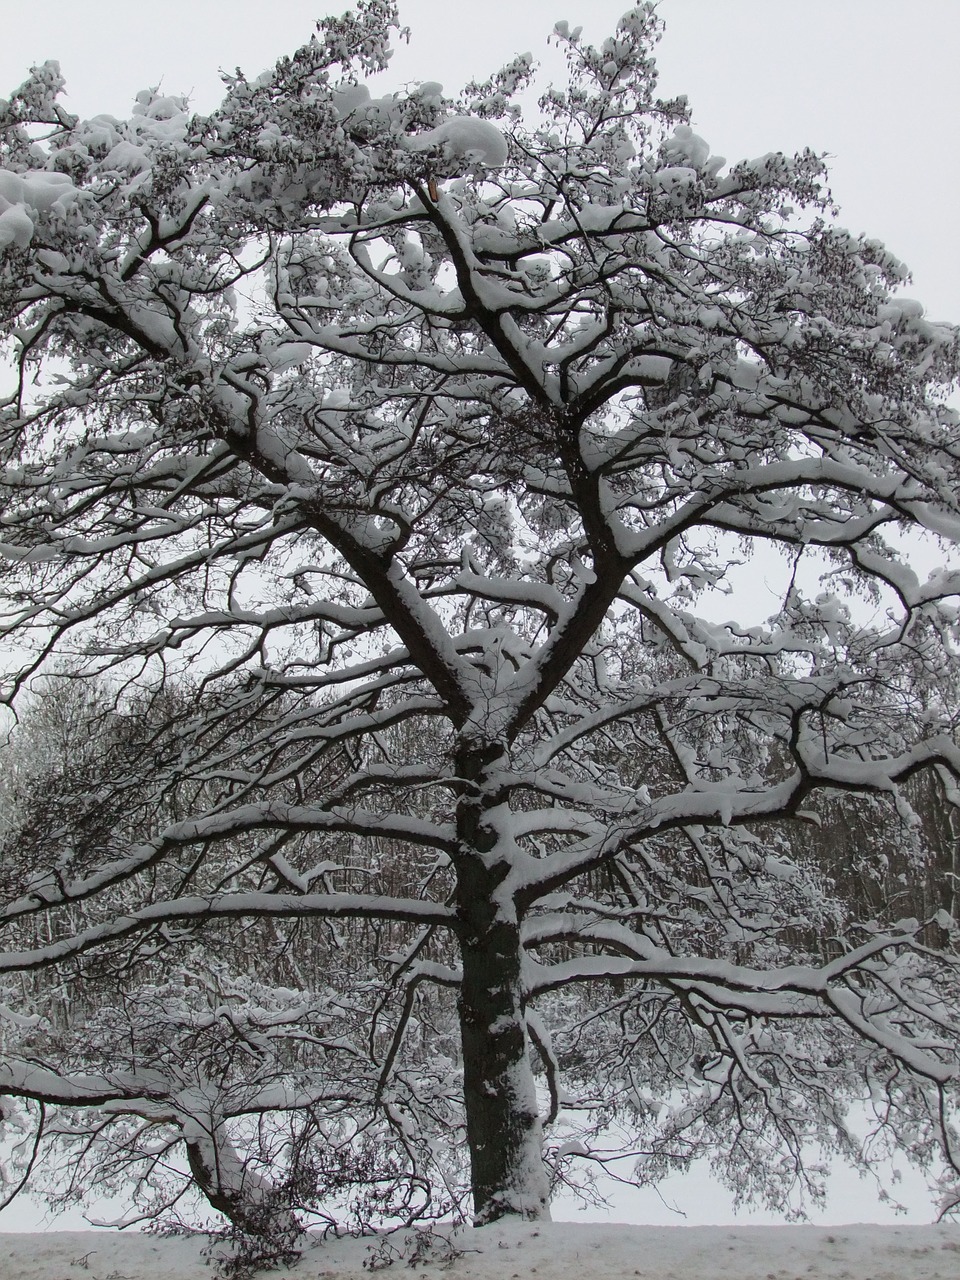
[426,439]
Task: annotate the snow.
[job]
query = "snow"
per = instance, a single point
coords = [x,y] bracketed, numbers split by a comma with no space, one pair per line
[16,226]
[448,658]
[686,147]
[24,196]
[464,138]
[515,1250]
[459,138]
[350,98]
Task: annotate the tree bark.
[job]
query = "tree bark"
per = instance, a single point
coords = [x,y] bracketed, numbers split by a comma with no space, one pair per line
[237,1191]
[504,1128]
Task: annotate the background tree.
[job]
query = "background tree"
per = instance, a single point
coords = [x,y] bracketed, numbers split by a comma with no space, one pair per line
[249,1070]
[430,438]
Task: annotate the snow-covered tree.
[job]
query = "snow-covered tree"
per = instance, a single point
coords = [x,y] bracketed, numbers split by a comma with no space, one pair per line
[430,440]
[206,1090]
[245,1075]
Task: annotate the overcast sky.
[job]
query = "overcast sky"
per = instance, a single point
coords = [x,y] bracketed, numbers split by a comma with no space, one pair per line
[872,82]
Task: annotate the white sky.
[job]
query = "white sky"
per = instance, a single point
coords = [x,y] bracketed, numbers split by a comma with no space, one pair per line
[873,82]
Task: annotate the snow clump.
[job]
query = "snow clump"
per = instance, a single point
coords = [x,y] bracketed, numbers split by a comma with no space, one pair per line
[464,138]
[460,138]
[24,197]
[686,149]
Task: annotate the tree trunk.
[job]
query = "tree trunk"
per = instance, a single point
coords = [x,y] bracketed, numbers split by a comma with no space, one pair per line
[237,1191]
[504,1129]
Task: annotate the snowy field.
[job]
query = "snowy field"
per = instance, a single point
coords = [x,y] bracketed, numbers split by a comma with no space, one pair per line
[548,1251]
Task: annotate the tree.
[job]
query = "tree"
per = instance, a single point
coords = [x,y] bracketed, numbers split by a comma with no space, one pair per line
[248,1071]
[430,438]
[257,1100]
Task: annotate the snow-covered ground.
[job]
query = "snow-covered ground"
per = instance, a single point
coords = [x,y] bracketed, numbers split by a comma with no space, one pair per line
[549,1251]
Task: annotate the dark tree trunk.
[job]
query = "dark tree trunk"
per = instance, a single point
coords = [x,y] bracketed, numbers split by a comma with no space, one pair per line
[504,1129]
